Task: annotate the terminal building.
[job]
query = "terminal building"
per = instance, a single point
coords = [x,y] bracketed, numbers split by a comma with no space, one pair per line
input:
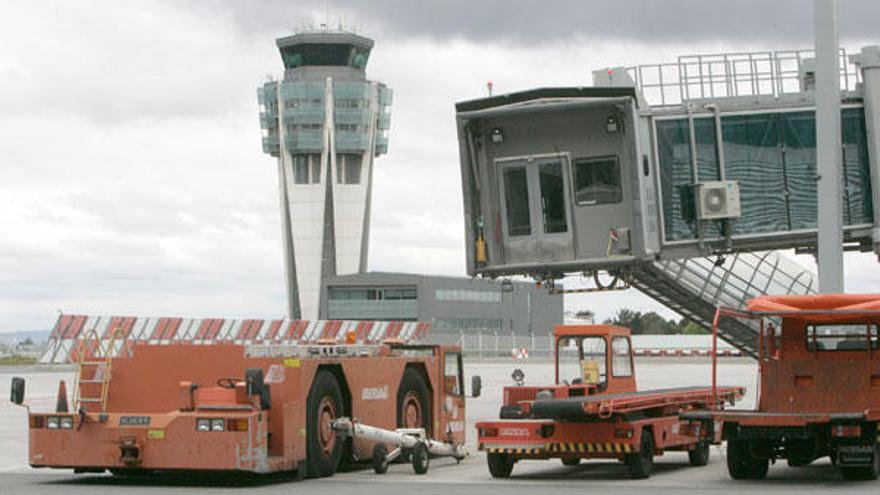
[452,304]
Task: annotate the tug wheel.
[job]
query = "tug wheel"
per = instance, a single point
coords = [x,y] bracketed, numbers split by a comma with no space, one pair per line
[741,464]
[324,404]
[500,465]
[699,456]
[641,463]
[413,410]
[862,472]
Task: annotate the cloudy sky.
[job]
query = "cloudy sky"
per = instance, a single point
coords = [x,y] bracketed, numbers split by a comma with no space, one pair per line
[131,175]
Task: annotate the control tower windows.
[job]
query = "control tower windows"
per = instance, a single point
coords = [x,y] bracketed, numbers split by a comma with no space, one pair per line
[307,168]
[516,195]
[552,197]
[324,54]
[597,180]
[348,168]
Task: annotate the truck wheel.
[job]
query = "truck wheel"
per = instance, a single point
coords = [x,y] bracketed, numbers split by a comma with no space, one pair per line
[699,456]
[862,472]
[413,410]
[380,458]
[741,464]
[641,463]
[500,465]
[571,461]
[324,404]
[420,458]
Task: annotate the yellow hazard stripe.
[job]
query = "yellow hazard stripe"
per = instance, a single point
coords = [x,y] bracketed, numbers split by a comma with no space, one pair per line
[589,448]
[515,450]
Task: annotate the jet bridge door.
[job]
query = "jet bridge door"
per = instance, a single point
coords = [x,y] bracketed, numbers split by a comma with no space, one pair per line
[535,207]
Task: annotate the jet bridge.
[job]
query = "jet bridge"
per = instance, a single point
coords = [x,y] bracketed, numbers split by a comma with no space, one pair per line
[668,169]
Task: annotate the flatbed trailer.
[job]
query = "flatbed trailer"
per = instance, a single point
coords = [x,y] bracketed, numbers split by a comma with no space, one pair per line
[819,370]
[258,408]
[599,414]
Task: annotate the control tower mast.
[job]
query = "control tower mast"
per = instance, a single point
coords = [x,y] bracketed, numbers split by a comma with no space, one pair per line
[325,122]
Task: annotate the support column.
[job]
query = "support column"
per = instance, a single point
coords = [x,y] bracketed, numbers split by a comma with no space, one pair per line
[828,144]
[869,63]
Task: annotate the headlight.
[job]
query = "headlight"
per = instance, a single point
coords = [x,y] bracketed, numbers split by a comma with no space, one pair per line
[218,425]
[67,422]
[52,422]
[203,425]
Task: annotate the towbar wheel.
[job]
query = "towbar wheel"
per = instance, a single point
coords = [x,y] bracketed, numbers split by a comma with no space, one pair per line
[380,458]
[420,458]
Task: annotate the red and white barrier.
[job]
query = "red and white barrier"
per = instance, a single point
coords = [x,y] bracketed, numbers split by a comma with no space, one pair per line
[70,329]
[520,353]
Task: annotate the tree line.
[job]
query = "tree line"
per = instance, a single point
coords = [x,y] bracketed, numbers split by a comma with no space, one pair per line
[651,323]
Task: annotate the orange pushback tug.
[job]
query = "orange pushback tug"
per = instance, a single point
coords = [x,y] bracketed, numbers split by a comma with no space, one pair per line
[254,408]
[598,413]
[819,367]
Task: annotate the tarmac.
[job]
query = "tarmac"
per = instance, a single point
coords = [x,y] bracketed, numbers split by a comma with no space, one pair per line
[672,472]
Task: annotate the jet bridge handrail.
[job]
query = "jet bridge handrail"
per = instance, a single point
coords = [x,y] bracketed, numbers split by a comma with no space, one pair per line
[734,74]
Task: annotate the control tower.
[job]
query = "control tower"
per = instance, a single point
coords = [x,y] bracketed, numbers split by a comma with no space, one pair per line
[325,123]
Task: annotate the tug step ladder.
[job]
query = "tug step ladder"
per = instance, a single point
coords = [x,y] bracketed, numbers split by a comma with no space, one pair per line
[696,287]
[94,360]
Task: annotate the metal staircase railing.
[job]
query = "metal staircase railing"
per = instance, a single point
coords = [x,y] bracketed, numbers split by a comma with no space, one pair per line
[94,360]
[695,287]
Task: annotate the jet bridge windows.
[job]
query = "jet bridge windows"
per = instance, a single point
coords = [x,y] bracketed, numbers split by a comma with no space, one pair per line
[516,196]
[597,180]
[773,157]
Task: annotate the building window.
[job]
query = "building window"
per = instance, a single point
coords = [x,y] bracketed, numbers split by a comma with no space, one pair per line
[597,181]
[348,168]
[373,294]
[468,324]
[463,295]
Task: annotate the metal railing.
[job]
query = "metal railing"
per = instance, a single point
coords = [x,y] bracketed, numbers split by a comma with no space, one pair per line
[726,75]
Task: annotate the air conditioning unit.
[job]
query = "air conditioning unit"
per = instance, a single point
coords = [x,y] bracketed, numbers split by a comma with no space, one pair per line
[718,200]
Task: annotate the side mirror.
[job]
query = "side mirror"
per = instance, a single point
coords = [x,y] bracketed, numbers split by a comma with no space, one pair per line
[476,386]
[16,391]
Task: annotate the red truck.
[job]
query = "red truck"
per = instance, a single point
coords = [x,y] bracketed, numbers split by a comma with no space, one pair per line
[819,367]
[256,408]
[593,411]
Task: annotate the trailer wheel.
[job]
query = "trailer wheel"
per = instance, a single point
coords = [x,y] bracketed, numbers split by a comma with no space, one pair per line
[641,463]
[413,410]
[862,472]
[324,404]
[420,458]
[571,461]
[741,464]
[500,465]
[699,456]
[380,458]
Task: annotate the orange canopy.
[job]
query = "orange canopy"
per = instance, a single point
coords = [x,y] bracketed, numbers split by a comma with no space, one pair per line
[824,307]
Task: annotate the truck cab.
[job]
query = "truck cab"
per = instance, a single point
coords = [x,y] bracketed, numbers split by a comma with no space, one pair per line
[583,357]
[819,369]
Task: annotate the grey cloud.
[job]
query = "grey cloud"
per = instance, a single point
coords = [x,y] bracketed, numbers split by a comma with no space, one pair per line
[532,21]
